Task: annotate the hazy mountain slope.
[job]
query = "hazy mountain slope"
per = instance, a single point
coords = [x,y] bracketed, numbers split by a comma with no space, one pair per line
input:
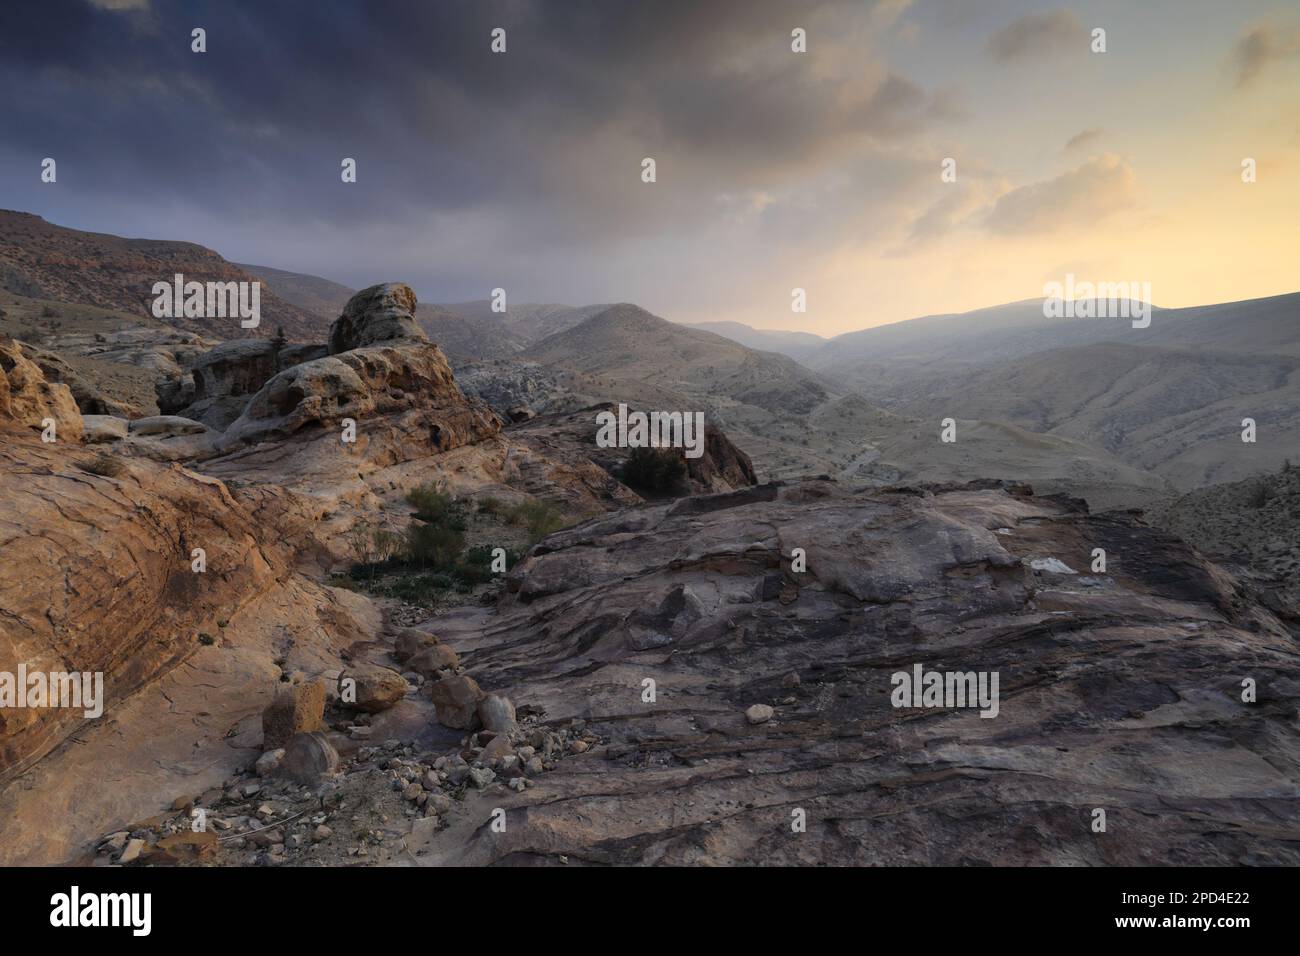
[937,343]
[792,422]
[796,345]
[1258,326]
[1177,412]
[323,298]
[625,342]
[471,331]
[1169,398]
[41,260]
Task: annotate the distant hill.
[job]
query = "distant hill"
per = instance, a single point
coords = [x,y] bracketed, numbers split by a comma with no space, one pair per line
[796,345]
[40,260]
[626,342]
[323,298]
[471,331]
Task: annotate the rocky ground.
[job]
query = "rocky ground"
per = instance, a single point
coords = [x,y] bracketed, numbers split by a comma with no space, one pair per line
[696,677]
[1252,526]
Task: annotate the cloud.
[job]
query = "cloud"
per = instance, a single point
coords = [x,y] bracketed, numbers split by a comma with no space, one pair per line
[1083,139]
[1259,46]
[1094,191]
[1038,34]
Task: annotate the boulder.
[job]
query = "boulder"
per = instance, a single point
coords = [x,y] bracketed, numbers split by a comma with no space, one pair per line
[456,700]
[433,659]
[408,642]
[309,757]
[297,708]
[104,428]
[382,313]
[376,688]
[497,714]
[166,426]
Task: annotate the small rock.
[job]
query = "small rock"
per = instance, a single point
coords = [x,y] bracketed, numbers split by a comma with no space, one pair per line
[269,762]
[132,852]
[309,757]
[481,776]
[759,714]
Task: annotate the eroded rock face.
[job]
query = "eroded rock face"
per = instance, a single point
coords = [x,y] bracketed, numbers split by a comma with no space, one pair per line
[98,575]
[383,313]
[570,437]
[380,367]
[1120,690]
[222,380]
[27,399]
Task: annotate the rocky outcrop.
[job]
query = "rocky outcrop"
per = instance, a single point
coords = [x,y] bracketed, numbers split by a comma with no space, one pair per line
[27,400]
[383,313]
[161,581]
[403,376]
[570,436]
[736,694]
[89,398]
[221,381]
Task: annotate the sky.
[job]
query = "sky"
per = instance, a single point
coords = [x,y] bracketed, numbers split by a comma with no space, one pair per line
[775,169]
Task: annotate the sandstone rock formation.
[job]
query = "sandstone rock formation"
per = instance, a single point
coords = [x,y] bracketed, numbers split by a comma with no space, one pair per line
[380,365]
[382,313]
[222,380]
[27,400]
[99,576]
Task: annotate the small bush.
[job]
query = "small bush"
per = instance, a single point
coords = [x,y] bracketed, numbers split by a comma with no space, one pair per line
[435,505]
[475,565]
[491,506]
[657,470]
[103,464]
[539,517]
[433,545]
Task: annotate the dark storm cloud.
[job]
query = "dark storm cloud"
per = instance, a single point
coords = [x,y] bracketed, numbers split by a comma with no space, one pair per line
[411,91]
[474,169]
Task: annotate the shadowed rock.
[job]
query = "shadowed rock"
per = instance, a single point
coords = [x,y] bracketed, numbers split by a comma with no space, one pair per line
[773,687]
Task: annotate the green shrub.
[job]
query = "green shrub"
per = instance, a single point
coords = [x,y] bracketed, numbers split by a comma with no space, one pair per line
[433,545]
[657,470]
[435,505]
[475,565]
